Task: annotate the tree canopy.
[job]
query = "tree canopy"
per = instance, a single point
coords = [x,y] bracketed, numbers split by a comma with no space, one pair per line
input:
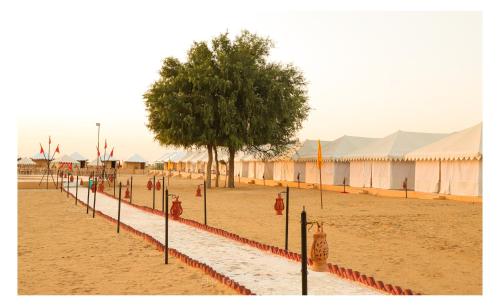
[228,95]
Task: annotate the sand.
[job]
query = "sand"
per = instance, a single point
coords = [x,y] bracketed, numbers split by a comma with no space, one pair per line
[429,246]
[61,250]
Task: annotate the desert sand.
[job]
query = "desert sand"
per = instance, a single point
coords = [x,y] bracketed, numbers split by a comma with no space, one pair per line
[61,250]
[429,246]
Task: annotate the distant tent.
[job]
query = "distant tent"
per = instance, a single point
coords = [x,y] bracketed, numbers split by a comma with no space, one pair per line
[79,158]
[334,168]
[26,162]
[25,165]
[111,162]
[452,165]
[135,162]
[381,164]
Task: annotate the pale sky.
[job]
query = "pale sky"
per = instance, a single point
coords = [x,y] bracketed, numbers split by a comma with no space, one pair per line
[369,73]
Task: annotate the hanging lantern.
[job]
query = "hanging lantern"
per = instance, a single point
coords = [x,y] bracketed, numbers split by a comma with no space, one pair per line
[176,209]
[93,187]
[81,182]
[149,184]
[198,191]
[158,185]
[71,178]
[127,193]
[319,250]
[278,205]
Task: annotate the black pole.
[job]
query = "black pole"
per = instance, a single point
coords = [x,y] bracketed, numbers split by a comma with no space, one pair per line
[119,206]
[163,195]
[114,184]
[76,196]
[303,223]
[166,226]
[344,184]
[205,200]
[406,187]
[57,179]
[154,188]
[95,195]
[62,182]
[131,177]
[67,189]
[286,224]
[88,192]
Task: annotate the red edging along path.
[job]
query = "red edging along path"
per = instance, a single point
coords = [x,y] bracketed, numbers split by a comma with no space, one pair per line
[249,267]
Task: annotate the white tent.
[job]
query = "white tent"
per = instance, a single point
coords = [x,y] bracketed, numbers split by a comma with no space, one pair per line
[78,157]
[334,168]
[381,164]
[66,159]
[284,165]
[135,162]
[26,162]
[452,165]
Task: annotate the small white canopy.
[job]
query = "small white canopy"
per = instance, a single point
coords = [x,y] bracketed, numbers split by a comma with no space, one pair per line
[136,158]
[78,157]
[463,145]
[26,162]
[394,146]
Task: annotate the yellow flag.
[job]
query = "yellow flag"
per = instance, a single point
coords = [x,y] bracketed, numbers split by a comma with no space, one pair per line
[320,156]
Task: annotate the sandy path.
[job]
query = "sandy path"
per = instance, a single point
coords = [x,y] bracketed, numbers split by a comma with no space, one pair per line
[261,272]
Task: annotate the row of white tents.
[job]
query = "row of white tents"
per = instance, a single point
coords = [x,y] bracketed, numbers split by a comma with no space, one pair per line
[77,159]
[433,163]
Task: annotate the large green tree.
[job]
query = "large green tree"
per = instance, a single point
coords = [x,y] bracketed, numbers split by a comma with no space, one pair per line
[229,96]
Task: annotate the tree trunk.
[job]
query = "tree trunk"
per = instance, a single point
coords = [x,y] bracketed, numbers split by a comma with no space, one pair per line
[208,172]
[230,182]
[216,167]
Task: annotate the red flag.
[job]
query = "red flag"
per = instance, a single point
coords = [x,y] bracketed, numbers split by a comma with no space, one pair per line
[105,144]
[41,150]
[50,141]
[57,149]
[98,153]
[111,154]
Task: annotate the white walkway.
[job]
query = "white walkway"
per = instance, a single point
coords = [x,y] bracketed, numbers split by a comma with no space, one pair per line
[261,272]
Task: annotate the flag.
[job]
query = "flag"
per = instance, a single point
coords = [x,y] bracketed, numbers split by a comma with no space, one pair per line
[57,149]
[111,154]
[98,153]
[105,144]
[320,156]
[41,150]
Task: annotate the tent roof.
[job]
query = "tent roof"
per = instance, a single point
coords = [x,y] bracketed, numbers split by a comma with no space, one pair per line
[331,150]
[465,144]
[39,156]
[78,157]
[66,159]
[393,146]
[136,158]
[26,161]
